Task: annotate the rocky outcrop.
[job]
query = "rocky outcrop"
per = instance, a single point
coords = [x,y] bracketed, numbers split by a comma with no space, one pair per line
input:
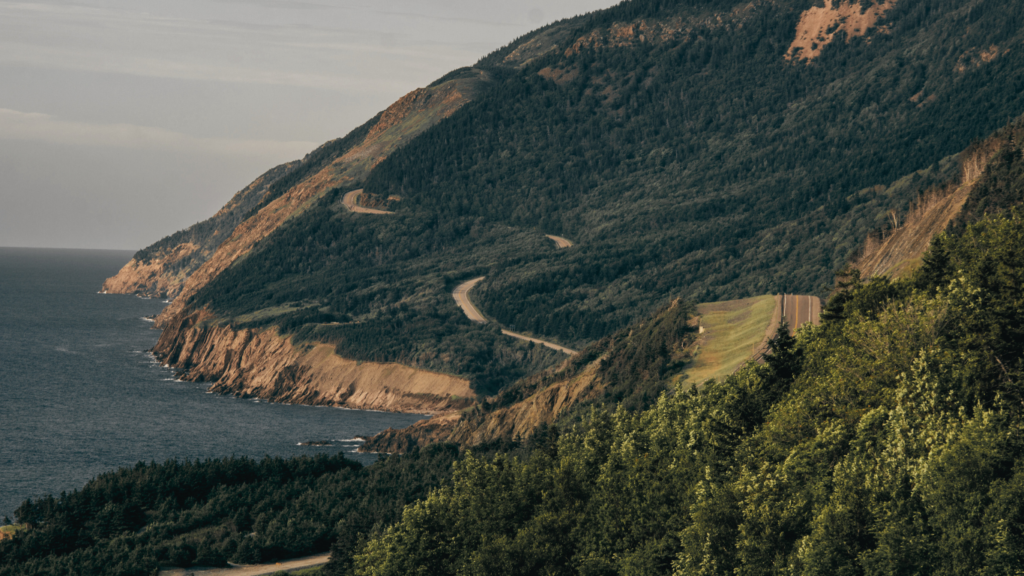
[516,422]
[263,364]
[819,25]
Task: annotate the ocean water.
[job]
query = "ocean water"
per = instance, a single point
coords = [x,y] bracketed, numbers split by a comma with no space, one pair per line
[80,394]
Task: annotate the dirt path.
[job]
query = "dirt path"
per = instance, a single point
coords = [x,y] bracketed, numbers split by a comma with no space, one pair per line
[461,295]
[551,345]
[257,570]
[559,241]
[352,197]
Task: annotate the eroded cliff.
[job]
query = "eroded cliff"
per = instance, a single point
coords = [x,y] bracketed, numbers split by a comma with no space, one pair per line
[630,368]
[264,364]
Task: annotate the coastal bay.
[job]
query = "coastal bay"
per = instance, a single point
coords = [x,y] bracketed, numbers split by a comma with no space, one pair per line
[80,394]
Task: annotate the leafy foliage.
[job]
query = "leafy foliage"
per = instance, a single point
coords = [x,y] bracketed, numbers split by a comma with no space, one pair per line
[886,441]
[207,513]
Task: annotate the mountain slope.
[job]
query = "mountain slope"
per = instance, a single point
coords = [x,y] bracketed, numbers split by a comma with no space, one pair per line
[888,440]
[684,147]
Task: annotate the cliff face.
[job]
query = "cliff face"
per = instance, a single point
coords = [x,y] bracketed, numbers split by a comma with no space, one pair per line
[633,367]
[516,422]
[263,364]
[160,276]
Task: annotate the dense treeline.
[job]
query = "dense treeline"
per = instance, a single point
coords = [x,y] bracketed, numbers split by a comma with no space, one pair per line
[888,440]
[131,521]
[702,165]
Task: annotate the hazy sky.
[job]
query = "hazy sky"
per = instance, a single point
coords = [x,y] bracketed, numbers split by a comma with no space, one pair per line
[122,121]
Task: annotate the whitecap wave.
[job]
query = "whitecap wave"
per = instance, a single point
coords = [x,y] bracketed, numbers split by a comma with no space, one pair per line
[144,319]
[350,440]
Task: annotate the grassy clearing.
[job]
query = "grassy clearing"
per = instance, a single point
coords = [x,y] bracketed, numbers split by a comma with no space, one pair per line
[733,330]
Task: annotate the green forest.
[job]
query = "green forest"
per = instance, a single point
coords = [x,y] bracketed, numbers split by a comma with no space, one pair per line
[888,440]
[705,166]
[134,520]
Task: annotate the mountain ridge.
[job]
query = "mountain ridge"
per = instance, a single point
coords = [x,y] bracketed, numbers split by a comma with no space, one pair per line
[674,142]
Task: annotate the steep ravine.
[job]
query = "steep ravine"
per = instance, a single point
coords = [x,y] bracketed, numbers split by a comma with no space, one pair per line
[264,364]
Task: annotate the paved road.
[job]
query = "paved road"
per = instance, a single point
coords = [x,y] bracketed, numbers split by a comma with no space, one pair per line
[352,197]
[800,310]
[257,570]
[559,241]
[461,295]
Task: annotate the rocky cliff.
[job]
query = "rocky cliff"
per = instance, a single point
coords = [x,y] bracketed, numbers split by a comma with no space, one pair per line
[264,364]
[609,370]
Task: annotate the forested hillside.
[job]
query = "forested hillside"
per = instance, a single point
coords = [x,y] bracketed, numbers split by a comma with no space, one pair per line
[888,440]
[134,520]
[682,148]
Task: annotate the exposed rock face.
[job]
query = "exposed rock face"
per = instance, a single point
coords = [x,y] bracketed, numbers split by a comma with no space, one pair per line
[898,251]
[263,364]
[819,25]
[154,277]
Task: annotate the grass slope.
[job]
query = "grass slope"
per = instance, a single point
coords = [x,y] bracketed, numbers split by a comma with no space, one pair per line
[733,333]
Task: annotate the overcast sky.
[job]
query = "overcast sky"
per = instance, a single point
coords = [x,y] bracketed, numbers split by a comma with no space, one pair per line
[122,121]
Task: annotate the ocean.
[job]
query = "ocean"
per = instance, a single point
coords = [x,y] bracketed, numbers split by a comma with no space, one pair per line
[80,394]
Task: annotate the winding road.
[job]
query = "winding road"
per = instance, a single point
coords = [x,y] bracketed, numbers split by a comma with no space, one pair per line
[461,295]
[350,201]
[252,570]
[461,292]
